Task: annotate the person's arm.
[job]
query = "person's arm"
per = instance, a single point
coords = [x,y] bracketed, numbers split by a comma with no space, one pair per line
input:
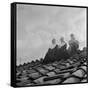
[65,46]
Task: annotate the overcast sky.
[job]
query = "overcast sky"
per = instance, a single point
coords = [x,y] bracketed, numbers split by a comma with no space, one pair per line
[37,25]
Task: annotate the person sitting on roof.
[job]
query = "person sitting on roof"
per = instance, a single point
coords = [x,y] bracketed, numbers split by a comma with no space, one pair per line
[62,44]
[73,45]
[50,55]
[61,50]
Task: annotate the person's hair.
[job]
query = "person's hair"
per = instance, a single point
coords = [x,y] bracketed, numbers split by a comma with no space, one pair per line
[53,41]
[72,35]
[62,38]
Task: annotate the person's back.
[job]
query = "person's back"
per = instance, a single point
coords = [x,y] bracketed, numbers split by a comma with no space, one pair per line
[73,45]
[61,50]
[50,55]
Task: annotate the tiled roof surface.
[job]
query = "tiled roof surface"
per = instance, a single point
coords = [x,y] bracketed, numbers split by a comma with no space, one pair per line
[72,70]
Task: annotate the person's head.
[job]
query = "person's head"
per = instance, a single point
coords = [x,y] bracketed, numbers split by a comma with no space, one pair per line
[53,41]
[72,36]
[62,39]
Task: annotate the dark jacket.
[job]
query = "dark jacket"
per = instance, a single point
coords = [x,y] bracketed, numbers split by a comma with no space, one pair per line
[50,55]
[62,53]
[55,54]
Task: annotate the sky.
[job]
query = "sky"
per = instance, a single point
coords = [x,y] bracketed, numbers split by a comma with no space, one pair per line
[38,25]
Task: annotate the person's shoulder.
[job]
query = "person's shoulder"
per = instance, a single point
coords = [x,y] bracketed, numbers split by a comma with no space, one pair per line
[76,41]
[55,47]
[49,50]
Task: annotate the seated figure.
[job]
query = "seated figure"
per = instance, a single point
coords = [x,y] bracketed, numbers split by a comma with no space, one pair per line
[50,55]
[73,45]
[61,52]
[56,52]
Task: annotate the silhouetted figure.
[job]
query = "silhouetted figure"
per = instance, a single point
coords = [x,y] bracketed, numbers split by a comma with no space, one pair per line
[73,45]
[50,55]
[61,52]
[56,52]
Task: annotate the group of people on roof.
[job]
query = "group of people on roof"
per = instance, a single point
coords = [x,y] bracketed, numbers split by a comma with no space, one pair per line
[60,51]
